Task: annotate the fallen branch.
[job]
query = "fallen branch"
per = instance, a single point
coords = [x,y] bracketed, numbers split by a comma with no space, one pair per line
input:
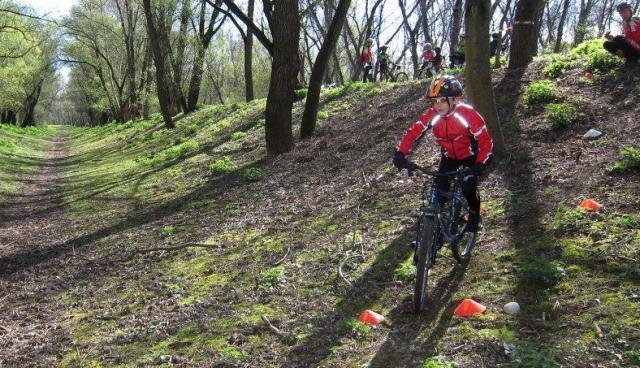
[4,329]
[177,247]
[344,261]
[283,257]
[273,328]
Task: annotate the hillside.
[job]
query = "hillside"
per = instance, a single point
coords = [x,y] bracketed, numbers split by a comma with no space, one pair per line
[134,247]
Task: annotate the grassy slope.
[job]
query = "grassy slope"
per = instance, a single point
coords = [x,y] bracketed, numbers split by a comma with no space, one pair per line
[21,154]
[276,243]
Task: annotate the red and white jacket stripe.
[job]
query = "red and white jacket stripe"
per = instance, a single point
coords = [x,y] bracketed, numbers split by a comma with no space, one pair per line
[632,32]
[454,132]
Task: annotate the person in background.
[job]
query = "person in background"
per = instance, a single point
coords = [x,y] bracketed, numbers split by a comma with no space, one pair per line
[457,59]
[626,46]
[383,62]
[366,58]
[493,46]
[437,59]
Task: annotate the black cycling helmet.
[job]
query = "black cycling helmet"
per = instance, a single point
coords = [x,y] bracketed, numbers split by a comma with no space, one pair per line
[620,7]
[445,86]
[437,49]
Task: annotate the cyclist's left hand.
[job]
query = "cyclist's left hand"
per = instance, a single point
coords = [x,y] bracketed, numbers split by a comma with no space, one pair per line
[478,169]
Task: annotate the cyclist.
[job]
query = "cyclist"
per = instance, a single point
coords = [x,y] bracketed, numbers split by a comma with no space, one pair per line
[427,57]
[462,135]
[627,46]
[437,59]
[367,60]
[384,62]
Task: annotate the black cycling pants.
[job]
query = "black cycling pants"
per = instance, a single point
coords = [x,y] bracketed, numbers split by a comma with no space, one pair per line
[367,70]
[618,43]
[469,187]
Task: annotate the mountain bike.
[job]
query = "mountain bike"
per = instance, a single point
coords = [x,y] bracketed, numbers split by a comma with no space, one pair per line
[428,71]
[396,74]
[442,219]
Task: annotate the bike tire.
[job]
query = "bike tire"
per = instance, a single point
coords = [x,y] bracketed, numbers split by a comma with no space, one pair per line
[425,249]
[401,77]
[462,246]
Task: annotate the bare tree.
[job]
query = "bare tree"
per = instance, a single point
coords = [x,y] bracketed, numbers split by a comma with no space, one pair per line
[310,114]
[478,74]
[583,17]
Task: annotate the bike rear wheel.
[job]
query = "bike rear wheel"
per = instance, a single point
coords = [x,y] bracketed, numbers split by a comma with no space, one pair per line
[425,249]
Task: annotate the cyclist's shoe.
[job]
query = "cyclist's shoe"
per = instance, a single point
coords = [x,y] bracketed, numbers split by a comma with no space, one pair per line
[474,222]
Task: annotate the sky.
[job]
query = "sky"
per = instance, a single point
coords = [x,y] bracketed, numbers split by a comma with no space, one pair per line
[53,8]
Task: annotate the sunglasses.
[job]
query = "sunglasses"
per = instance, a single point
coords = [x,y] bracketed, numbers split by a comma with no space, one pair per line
[437,100]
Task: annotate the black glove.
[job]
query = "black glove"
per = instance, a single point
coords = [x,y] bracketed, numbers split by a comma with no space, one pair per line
[399,161]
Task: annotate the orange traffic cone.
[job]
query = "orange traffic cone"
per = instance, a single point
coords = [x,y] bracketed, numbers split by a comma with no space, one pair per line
[590,205]
[468,308]
[370,317]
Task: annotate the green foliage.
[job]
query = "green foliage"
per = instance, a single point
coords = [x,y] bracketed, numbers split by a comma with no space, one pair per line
[601,61]
[405,271]
[236,136]
[301,94]
[454,71]
[630,161]
[539,92]
[252,174]
[586,48]
[567,219]
[557,66]
[351,326]
[168,230]
[633,356]
[560,114]
[172,153]
[322,115]
[541,273]
[271,277]
[503,62]
[438,362]
[223,165]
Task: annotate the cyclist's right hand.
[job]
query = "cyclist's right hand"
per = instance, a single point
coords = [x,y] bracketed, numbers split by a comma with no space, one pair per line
[401,162]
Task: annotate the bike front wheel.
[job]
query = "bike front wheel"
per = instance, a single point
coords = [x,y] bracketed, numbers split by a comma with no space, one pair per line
[464,241]
[401,77]
[425,249]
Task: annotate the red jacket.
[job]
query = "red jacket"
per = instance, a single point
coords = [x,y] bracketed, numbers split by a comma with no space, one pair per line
[366,56]
[461,134]
[428,56]
[632,32]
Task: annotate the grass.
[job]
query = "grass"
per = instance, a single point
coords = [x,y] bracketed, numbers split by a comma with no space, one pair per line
[261,256]
[22,152]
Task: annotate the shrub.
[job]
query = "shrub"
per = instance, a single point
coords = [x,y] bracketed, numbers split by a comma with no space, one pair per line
[270,277]
[539,92]
[351,326]
[586,48]
[601,61]
[168,230]
[557,67]
[252,174]
[223,165]
[541,273]
[630,161]
[560,114]
[301,94]
[236,136]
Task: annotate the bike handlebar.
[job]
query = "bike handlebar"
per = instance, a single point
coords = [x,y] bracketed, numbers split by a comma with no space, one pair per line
[413,166]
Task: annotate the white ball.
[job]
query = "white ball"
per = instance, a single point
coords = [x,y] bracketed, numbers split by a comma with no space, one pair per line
[512,308]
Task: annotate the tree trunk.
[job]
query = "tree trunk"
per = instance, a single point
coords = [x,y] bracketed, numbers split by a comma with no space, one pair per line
[310,114]
[284,72]
[525,38]
[583,17]
[425,22]
[30,105]
[563,18]
[455,26]
[159,59]
[478,73]
[248,57]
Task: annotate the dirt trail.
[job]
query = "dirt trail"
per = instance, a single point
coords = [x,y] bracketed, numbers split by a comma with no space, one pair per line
[33,223]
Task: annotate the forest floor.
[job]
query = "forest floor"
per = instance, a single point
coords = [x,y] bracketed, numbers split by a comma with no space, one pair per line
[189,248]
